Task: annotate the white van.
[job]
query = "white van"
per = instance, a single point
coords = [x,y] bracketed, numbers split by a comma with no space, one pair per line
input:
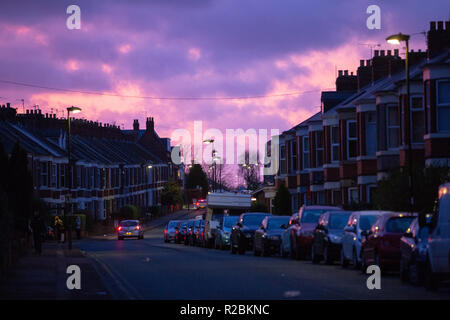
[220,204]
[438,255]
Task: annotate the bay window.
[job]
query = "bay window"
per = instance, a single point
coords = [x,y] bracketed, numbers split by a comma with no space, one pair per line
[443,105]
[351,140]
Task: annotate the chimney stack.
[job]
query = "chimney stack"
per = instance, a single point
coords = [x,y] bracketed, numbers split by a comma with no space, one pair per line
[438,39]
[136,125]
[150,125]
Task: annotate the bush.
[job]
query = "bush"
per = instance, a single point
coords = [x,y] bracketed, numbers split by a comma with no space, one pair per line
[282,201]
[129,212]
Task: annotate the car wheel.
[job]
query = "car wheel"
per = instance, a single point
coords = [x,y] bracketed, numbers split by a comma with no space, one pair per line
[355,264]
[314,257]
[344,262]
[403,271]
[430,279]
[414,274]
[326,256]
[363,263]
[378,263]
[293,250]
[255,251]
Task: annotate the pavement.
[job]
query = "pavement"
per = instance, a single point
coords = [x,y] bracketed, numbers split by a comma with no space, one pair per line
[44,276]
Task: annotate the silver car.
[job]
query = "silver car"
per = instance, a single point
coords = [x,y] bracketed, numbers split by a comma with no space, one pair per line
[129,229]
[170,230]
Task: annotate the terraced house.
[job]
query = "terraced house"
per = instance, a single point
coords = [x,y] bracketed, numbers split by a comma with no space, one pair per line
[111,167]
[361,132]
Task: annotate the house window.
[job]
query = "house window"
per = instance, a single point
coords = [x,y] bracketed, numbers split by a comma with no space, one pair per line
[293,164]
[334,140]
[44,174]
[283,159]
[393,127]
[62,175]
[371,133]
[353,195]
[351,139]
[319,148]
[53,176]
[443,105]
[417,119]
[305,152]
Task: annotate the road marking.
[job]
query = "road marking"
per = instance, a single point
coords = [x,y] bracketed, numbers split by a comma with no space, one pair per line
[123,284]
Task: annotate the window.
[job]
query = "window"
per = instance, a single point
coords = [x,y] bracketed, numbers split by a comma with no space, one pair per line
[353,195]
[53,176]
[62,175]
[334,140]
[319,148]
[78,168]
[283,159]
[393,127]
[293,164]
[371,133]
[443,106]
[305,152]
[417,119]
[351,139]
[44,174]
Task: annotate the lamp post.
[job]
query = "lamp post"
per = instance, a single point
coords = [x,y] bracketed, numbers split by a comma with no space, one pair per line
[69,159]
[396,39]
[213,153]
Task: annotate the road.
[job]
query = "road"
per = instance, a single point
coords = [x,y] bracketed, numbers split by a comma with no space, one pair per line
[152,269]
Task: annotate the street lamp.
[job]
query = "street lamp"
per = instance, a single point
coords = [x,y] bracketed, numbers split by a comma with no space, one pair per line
[213,153]
[69,159]
[396,39]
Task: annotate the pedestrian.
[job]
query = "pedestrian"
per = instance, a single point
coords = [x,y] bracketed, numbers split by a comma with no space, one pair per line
[58,228]
[78,227]
[37,227]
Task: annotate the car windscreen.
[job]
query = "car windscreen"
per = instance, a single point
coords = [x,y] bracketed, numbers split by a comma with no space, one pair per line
[229,222]
[197,223]
[366,222]
[277,222]
[311,216]
[128,223]
[338,220]
[398,225]
[253,219]
[172,224]
[190,223]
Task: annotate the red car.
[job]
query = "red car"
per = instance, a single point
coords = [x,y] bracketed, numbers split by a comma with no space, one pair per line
[302,226]
[381,245]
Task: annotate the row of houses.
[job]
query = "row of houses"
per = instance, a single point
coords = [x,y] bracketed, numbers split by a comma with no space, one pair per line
[110,167]
[338,155]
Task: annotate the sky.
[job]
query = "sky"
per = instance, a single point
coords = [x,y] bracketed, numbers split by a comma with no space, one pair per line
[127,50]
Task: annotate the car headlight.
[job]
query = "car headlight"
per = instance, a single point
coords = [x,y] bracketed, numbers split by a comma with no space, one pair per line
[336,239]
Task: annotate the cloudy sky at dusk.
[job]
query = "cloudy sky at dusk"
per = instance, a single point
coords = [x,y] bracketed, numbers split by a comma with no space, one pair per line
[193,48]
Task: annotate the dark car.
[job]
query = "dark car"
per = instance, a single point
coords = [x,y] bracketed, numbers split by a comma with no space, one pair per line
[302,229]
[241,238]
[194,239]
[180,231]
[267,239]
[413,252]
[327,238]
[381,245]
[188,239]
[170,230]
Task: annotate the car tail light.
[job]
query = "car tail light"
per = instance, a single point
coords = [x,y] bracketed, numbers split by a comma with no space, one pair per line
[176,231]
[138,227]
[119,228]
[197,204]
[165,231]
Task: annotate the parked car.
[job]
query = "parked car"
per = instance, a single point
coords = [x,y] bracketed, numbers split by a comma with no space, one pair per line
[413,252]
[437,268]
[267,239]
[180,231]
[327,238]
[222,240]
[129,229]
[358,222]
[200,234]
[169,230]
[193,239]
[381,245]
[201,204]
[302,229]
[285,246]
[188,239]
[244,230]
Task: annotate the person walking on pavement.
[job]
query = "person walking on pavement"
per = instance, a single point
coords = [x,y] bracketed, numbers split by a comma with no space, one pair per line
[37,227]
[78,227]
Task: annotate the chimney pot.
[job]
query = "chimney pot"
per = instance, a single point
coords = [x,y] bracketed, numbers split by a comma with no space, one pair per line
[361,63]
[389,52]
[447,25]
[432,25]
[376,53]
[340,73]
[440,25]
[382,53]
[396,52]
[345,72]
